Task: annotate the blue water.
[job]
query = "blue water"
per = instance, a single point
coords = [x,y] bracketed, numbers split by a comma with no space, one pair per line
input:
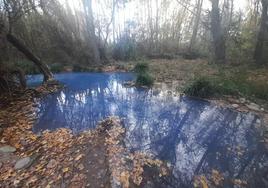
[193,136]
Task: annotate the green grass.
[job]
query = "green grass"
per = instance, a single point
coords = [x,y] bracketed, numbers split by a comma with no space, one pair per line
[236,83]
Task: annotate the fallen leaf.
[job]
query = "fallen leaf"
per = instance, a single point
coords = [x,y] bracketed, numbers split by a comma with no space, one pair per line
[79,157]
[65,169]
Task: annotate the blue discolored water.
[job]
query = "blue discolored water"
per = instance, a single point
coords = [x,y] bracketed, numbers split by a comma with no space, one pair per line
[193,136]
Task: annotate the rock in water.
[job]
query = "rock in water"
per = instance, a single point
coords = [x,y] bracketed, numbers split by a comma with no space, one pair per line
[23,163]
[7,149]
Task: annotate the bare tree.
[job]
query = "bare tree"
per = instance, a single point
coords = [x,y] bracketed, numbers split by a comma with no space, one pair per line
[262,40]
[217,33]
[196,24]
[114,4]
[91,30]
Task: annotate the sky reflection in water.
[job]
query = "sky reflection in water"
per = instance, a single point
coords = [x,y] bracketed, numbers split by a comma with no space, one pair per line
[192,135]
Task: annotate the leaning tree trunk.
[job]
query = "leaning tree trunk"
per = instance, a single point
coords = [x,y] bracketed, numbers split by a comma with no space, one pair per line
[23,49]
[217,33]
[262,40]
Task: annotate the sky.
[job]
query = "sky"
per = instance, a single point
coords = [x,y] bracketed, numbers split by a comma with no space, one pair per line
[132,9]
[238,4]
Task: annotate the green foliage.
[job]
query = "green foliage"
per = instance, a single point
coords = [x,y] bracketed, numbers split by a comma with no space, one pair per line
[79,68]
[201,88]
[56,68]
[144,79]
[241,84]
[141,67]
[143,76]
[235,84]
[241,45]
[27,66]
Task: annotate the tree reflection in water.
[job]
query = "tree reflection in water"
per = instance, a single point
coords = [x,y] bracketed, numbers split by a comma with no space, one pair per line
[192,135]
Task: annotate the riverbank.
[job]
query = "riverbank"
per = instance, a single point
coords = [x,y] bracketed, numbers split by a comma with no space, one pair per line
[95,158]
[247,80]
[243,88]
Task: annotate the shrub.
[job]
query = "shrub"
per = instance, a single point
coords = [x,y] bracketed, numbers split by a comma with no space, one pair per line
[236,84]
[28,67]
[201,88]
[141,67]
[56,68]
[144,79]
[79,68]
[192,55]
[143,76]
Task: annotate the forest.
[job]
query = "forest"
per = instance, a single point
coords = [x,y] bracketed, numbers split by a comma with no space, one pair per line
[86,33]
[135,93]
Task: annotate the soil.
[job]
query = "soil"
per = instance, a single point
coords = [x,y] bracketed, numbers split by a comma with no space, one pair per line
[96,163]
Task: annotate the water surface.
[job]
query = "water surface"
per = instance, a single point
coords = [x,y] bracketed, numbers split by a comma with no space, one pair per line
[193,136]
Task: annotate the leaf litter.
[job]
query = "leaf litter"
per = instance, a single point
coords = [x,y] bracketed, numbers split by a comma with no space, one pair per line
[62,159]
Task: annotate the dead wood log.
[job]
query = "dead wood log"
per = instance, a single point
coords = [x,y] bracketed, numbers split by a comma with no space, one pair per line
[23,49]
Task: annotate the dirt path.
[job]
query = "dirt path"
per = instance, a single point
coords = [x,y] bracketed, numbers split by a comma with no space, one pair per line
[96,163]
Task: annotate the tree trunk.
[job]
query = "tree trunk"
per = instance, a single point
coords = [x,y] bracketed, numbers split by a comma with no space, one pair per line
[262,40]
[91,30]
[217,33]
[2,41]
[23,49]
[196,24]
[109,24]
